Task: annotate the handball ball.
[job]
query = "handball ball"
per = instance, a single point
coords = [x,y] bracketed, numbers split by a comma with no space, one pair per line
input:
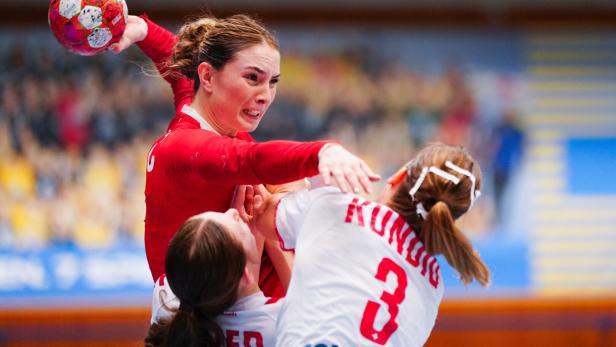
[87,27]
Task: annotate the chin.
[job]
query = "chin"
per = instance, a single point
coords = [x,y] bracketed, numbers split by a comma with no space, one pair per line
[249,127]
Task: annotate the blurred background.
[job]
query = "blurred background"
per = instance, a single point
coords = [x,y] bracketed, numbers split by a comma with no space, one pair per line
[529,87]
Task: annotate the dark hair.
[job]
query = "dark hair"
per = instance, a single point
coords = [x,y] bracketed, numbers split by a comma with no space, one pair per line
[215,41]
[204,264]
[444,202]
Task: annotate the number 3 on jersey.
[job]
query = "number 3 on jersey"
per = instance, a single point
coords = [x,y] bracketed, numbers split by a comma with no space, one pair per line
[392,300]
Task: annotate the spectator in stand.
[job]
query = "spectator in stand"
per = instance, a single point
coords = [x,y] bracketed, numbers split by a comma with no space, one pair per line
[508,144]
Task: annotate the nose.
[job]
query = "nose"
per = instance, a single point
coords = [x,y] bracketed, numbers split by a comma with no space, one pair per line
[265,95]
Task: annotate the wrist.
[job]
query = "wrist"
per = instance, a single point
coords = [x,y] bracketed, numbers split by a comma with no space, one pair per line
[143,29]
[325,148]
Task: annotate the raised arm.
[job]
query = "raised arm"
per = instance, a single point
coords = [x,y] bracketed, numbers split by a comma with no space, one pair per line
[157,43]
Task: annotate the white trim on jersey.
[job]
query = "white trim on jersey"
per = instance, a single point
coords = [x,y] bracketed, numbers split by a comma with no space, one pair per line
[196,116]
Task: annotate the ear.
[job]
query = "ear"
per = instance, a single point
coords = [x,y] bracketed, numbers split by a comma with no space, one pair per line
[206,74]
[246,278]
[392,186]
[398,177]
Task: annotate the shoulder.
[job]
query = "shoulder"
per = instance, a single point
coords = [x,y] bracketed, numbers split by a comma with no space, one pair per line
[314,195]
[272,307]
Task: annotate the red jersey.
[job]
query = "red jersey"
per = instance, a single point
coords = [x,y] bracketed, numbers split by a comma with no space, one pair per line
[192,169]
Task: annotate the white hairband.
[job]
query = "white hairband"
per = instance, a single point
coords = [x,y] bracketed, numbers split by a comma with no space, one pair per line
[474,193]
[446,175]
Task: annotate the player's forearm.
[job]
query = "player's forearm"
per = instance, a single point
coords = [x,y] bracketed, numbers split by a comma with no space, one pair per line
[158,44]
[282,261]
[289,187]
[233,161]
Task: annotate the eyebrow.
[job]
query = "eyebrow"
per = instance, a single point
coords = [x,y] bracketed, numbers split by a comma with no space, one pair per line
[259,70]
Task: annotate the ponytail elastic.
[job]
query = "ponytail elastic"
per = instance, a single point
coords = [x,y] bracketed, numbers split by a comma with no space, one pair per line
[474,194]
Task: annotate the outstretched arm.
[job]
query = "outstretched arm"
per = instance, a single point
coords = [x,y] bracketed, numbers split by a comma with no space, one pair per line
[227,160]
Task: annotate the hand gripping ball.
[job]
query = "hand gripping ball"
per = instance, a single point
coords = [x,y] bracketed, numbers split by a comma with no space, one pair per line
[87,27]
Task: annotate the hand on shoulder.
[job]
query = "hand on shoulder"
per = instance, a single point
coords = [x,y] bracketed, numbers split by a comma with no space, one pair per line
[345,170]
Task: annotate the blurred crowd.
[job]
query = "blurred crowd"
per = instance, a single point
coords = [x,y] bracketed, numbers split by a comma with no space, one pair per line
[75,132]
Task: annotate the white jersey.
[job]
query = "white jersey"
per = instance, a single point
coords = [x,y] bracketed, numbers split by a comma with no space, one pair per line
[361,276]
[250,322]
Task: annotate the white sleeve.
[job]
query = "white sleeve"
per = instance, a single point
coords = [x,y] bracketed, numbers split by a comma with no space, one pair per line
[163,301]
[292,210]
[290,214]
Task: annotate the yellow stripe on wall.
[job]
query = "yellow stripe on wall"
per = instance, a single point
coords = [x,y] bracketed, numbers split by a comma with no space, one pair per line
[545,167]
[548,184]
[565,86]
[569,54]
[542,248]
[566,102]
[546,150]
[572,119]
[571,39]
[575,263]
[571,71]
[545,135]
[576,230]
[581,290]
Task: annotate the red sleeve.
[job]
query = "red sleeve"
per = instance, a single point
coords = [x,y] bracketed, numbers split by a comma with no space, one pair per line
[158,46]
[227,160]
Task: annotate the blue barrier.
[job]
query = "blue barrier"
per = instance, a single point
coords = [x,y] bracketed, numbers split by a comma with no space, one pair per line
[67,276]
[72,276]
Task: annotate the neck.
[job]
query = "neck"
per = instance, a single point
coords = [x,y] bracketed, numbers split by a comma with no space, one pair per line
[248,290]
[200,104]
[252,286]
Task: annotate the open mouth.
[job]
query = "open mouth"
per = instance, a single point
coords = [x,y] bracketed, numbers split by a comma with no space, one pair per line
[252,113]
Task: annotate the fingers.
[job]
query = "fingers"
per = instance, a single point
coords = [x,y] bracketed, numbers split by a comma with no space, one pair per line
[373,177]
[238,201]
[119,46]
[355,176]
[260,197]
[248,203]
[114,48]
[136,30]
[346,171]
[238,197]
[260,190]
[258,202]
[340,180]
[325,175]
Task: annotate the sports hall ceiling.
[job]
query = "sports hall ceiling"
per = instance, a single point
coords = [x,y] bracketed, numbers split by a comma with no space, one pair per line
[407,12]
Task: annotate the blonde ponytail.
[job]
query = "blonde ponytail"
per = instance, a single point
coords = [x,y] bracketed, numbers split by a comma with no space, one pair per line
[441,236]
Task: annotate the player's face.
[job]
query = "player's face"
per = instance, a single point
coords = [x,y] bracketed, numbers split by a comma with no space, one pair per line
[233,223]
[244,88]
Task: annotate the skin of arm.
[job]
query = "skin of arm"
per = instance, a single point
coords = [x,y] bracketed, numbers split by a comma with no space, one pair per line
[282,261]
[247,202]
